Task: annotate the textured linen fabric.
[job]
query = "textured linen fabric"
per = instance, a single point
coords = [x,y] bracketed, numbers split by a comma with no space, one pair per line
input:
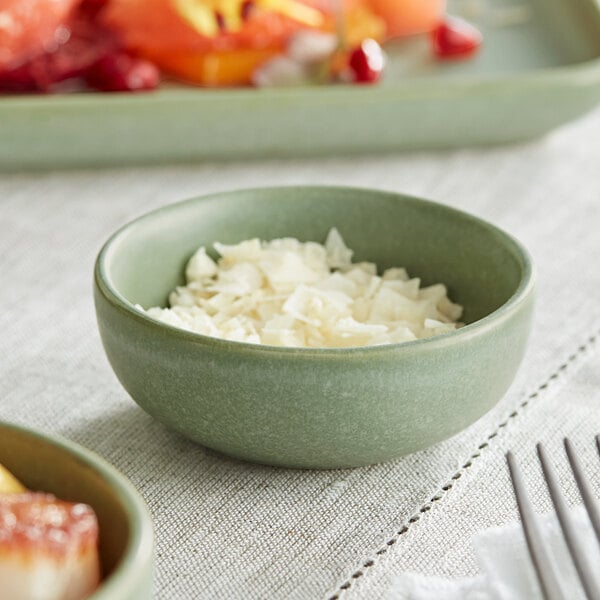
[507,573]
[226,529]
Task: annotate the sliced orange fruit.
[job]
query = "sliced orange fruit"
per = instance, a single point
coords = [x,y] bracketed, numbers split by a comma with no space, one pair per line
[408,17]
[156,26]
[154,29]
[213,69]
[202,41]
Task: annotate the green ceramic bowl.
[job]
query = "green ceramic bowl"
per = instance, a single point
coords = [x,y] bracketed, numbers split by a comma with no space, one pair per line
[72,473]
[317,408]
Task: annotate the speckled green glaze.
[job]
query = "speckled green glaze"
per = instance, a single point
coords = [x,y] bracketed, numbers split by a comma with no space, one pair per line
[318,408]
[59,467]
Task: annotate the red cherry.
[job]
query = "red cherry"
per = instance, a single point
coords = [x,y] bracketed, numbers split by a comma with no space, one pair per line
[455,39]
[367,62]
[120,72]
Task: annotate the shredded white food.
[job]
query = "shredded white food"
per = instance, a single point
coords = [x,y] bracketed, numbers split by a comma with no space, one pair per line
[288,293]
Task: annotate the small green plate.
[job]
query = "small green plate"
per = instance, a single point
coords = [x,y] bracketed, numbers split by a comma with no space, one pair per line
[529,78]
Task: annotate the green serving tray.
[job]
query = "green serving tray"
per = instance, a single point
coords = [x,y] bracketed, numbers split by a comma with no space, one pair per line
[529,78]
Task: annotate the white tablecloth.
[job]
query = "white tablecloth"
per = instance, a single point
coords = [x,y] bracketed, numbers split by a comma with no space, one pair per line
[226,529]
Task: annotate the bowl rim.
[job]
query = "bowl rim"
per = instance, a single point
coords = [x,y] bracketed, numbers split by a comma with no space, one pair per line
[524,290]
[139,552]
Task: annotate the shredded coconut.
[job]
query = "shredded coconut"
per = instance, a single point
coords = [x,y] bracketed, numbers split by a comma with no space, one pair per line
[288,293]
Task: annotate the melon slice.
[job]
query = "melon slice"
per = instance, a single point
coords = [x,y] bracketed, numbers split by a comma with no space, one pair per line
[48,548]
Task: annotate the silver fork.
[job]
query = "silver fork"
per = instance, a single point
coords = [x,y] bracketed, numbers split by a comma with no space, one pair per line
[548,578]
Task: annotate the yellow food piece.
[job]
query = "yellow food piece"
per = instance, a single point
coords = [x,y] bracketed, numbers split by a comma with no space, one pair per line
[9,484]
[202,14]
[361,23]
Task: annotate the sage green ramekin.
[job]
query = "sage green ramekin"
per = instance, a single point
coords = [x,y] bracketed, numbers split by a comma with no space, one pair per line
[317,408]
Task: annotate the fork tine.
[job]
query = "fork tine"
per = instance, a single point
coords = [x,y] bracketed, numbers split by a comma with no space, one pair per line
[584,487]
[586,573]
[544,570]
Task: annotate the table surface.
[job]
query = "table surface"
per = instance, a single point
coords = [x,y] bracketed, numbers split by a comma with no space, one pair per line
[226,529]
